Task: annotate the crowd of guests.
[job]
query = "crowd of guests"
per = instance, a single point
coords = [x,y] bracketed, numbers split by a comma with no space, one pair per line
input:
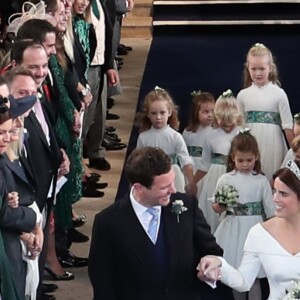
[64,57]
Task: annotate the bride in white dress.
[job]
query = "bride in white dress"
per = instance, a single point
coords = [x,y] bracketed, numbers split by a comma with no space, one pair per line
[274,244]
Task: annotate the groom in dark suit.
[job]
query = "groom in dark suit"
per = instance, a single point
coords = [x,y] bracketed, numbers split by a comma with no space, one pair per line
[137,254]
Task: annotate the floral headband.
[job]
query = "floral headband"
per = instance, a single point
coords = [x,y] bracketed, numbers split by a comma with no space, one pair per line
[259,45]
[244,131]
[196,93]
[227,94]
[292,166]
[297,117]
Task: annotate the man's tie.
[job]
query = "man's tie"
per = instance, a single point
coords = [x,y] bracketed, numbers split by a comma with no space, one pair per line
[41,118]
[152,229]
[95,9]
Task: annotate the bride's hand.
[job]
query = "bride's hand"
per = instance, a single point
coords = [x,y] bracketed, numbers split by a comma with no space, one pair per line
[209,268]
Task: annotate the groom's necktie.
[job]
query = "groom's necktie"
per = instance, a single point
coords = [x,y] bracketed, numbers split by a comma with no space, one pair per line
[152,229]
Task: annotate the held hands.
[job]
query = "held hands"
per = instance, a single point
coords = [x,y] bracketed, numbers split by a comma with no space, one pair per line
[13,199]
[209,268]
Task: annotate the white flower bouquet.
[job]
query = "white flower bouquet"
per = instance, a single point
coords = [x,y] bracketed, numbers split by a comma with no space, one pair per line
[294,293]
[227,195]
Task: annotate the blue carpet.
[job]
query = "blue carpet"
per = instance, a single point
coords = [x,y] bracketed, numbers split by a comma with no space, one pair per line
[183,59]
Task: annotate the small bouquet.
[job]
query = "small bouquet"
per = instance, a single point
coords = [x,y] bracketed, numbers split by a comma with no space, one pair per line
[294,293]
[227,196]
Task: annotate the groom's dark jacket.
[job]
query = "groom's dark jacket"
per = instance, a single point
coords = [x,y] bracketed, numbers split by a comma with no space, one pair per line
[121,262]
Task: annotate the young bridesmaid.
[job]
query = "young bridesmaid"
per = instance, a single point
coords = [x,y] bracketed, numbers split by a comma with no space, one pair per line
[201,119]
[254,202]
[266,107]
[228,118]
[159,129]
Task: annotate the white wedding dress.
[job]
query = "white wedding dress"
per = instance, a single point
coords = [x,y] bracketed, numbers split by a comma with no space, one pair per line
[262,249]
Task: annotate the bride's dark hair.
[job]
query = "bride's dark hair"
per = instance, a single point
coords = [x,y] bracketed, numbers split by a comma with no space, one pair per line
[288,177]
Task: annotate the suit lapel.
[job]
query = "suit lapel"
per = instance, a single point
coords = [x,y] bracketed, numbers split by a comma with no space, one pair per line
[26,166]
[16,168]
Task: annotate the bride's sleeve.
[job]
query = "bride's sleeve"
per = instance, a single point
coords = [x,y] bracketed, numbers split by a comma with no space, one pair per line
[242,279]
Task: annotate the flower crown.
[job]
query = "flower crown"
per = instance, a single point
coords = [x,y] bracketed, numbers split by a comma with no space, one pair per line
[196,93]
[292,166]
[37,11]
[297,117]
[158,89]
[227,94]
[259,45]
[244,131]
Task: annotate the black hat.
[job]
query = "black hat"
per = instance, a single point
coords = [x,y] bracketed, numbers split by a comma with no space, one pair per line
[21,105]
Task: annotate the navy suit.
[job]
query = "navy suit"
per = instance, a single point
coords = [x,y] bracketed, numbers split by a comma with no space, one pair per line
[121,255]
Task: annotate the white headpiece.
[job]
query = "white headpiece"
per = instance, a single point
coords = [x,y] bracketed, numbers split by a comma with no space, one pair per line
[29,11]
[292,166]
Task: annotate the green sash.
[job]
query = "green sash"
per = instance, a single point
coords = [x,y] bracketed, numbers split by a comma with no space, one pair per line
[268,117]
[195,151]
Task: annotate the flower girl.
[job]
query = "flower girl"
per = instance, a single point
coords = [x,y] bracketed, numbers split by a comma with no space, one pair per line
[246,196]
[201,119]
[159,129]
[215,151]
[267,108]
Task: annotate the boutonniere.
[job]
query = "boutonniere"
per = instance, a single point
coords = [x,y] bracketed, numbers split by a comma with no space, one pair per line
[178,208]
[39,95]
[294,292]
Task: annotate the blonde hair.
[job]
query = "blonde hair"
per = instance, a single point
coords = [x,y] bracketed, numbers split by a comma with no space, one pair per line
[295,145]
[159,94]
[261,50]
[227,110]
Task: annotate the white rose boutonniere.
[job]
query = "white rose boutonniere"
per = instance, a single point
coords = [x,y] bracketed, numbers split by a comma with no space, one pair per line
[178,208]
[294,293]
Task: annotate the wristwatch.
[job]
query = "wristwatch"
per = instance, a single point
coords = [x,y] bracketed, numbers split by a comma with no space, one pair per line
[84,92]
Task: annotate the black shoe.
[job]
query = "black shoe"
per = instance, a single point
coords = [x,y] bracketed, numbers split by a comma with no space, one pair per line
[110,128]
[112,138]
[54,276]
[75,236]
[91,193]
[47,297]
[95,186]
[99,163]
[49,287]
[128,48]
[122,51]
[94,177]
[79,221]
[72,261]
[110,116]
[112,146]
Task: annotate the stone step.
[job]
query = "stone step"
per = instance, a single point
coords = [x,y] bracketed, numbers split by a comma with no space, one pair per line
[142,8]
[136,27]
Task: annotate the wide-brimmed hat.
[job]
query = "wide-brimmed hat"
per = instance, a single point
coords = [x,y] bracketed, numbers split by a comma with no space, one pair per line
[21,105]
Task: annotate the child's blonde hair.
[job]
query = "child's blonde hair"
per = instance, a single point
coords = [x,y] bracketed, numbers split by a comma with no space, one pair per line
[261,50]
[199,98]
[159,94]
[295,145]
[227,110]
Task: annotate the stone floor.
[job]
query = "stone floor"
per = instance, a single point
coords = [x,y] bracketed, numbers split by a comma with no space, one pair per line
[131,75]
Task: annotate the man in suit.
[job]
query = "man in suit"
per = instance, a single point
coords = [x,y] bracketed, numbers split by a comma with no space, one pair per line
[129,259]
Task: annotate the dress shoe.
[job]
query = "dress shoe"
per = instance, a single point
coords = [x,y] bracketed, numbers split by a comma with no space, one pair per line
[94,177]
[110,128]
[95,186]
[45,296]
[91,193]
[128,48]
[75,236]
[112,146]
[122,51]
[110,116]
[48,288]
[99,163]
[72,261]
[79,221]
[66,276]
[112,138]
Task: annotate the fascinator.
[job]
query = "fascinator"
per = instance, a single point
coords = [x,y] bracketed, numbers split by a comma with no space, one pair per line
[20,106]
